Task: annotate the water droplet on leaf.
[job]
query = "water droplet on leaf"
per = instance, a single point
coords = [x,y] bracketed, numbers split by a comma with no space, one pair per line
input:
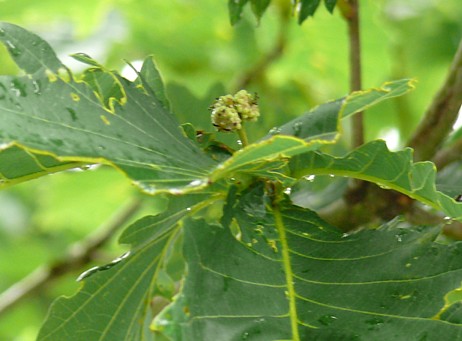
[36,87]
[15,52]
[310,178]
[327,319]
[2,32]
[275,131]
[297,127]
[18,88]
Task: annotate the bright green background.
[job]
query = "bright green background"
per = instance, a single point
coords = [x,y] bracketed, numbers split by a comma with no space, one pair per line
[199,55]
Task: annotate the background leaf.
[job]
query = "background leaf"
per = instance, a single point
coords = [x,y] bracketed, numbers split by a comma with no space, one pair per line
[307,9]
[235,8]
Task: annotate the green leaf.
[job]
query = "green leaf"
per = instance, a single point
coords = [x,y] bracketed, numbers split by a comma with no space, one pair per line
[150,78]
[375,163]
[318,127]
[330,5]
[307,9]
[110,120]
[235,8]
[311,281]
[322,122]
[114,302]
[17,165]
[259,7]
[30,53]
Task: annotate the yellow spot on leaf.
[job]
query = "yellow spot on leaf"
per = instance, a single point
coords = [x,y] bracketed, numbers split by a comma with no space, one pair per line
[51,76]
[451,298]
[75,97]
[105,120]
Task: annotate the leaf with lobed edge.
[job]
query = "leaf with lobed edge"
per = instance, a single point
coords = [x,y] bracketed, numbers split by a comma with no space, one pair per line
[375,163]
[114,301]
[18,165]
[314,282]
[47,112]
[318,127]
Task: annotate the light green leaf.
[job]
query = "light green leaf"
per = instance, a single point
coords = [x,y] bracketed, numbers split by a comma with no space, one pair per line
[375,163]
[311,281]
[307,9]
[110,120]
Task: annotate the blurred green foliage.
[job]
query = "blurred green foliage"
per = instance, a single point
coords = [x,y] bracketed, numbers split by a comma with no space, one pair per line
[201,56]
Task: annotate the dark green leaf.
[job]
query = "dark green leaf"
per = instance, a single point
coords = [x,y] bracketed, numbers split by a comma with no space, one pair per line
[322,122]
[330,5]
[307,9]
[235,10]
[259,7]
[311,281]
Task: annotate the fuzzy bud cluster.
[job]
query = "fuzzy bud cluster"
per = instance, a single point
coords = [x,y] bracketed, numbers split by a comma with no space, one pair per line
[228,112]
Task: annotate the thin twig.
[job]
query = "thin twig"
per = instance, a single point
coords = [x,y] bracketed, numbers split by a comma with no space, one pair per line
[77,255]
[448,155]
[350,11]
[441,115]
[274,54]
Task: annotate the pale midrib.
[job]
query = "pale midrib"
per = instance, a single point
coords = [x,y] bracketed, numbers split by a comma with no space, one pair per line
[288,272]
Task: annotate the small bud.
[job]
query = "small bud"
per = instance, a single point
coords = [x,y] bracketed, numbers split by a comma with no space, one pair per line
[228,111]
[225,118]
[246,105]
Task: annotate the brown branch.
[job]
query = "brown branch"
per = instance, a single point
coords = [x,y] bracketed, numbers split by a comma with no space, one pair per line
[448,155]
[77,255]
[441,115]
[270,57]
[350,11]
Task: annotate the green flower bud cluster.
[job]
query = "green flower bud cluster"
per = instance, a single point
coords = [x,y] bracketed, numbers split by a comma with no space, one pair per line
[228,112]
